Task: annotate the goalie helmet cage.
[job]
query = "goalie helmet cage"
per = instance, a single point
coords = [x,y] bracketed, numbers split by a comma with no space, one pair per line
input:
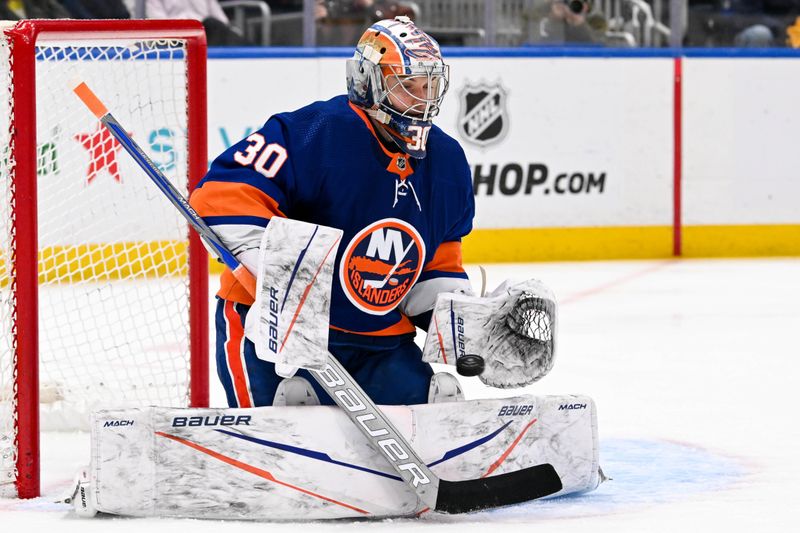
[128,299]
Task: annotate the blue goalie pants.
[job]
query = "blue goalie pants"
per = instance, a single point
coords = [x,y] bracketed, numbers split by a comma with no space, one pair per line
[389,369]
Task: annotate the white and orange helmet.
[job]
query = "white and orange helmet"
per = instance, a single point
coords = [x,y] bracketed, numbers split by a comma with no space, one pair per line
[392,57]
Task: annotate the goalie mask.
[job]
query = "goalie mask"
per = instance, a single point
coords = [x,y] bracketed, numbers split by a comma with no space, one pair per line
[398,77]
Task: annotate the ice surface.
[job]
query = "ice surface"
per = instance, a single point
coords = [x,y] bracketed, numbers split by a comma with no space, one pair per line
[693,365]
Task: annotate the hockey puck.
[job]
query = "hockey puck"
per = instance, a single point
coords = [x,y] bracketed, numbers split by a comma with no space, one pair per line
[470,365]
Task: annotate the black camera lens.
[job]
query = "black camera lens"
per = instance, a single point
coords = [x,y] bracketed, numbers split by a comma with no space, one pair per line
[576,6]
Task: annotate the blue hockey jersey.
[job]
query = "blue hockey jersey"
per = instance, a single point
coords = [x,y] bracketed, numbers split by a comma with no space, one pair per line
[402,218]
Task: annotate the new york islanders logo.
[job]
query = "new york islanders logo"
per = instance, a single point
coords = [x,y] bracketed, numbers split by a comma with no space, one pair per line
[381,264]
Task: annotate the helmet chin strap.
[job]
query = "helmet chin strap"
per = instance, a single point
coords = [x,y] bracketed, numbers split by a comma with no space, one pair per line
[380,116]
[382,122]
[381,119]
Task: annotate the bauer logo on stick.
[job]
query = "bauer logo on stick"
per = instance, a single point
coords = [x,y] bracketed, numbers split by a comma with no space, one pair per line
[381,264]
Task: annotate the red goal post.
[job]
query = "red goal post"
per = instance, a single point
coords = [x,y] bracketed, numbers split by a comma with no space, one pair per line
[125,269]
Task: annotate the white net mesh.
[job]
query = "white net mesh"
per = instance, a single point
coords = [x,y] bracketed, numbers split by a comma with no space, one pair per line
[113,285]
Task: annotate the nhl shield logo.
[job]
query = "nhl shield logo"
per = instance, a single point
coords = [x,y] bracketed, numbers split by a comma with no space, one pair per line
[483,119]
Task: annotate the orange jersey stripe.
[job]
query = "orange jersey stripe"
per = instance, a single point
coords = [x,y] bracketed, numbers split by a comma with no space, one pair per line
[233,354]
[230,289]
[363,116]
[447,258]
[406,170]
[221,198]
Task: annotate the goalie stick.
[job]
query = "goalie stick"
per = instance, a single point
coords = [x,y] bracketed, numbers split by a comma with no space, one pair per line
[438,494]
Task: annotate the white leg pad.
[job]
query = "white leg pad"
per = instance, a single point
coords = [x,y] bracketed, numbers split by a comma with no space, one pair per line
[306,463]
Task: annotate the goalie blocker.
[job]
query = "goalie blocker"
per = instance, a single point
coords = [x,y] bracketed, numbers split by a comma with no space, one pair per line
[309,463]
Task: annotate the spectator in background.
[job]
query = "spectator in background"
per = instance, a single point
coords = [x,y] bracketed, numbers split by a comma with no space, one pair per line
[344,20]
[784,12]
[793,34]
[280,7]
[209,12]
[33,9]
[338,22]
[741,23]
[564,22]
[96,9]
[287,24]
[787,12]
[395,8]
[6,13]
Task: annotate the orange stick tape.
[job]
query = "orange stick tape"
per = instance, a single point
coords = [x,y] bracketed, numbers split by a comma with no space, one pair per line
[91,100]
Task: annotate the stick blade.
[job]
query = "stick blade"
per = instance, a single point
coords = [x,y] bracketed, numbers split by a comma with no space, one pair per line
[497,491]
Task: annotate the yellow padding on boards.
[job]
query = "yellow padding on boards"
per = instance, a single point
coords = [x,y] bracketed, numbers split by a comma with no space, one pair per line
[567,244]
[741,241]
[102,262]
[167,258]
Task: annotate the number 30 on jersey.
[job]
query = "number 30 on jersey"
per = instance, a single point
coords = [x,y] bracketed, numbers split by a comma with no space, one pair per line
[419,137]
[266,160]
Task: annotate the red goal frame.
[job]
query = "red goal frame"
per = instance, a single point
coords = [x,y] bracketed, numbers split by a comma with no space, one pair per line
[22,38]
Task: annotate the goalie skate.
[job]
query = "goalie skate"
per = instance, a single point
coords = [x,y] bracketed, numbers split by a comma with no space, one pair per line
[83,498]
[445,388]
[295,391]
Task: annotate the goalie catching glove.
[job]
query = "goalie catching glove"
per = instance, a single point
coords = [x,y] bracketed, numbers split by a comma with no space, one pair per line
[511,331]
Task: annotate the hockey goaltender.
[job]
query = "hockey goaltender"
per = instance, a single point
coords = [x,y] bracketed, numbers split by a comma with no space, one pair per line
[325,332]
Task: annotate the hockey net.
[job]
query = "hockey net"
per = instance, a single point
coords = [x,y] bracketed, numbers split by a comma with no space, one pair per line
[120,294]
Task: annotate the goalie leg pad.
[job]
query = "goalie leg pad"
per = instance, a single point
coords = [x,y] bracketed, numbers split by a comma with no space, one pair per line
[311,463]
